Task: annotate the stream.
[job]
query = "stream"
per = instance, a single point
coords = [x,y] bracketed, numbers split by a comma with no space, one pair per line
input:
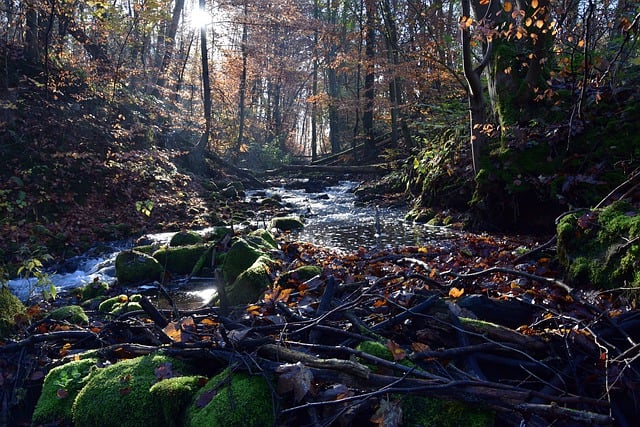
[332,220]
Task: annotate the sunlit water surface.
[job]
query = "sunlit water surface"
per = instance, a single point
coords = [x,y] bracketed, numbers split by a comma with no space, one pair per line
[332,219]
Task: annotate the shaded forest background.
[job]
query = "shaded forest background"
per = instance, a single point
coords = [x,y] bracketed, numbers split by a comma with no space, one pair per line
[119,117]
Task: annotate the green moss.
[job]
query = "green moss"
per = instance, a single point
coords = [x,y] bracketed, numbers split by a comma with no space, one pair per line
[71,313]
[61,386]
[185,238]
[137,267]
[376,349]
[175,395]
[182,259]
[119,395]
[266,238]
[286,223]
[232,400]
[94,289]
[10,307]
[109,304]
[593,246]
[240,256]
[425,411]
[300,274]
[250,284]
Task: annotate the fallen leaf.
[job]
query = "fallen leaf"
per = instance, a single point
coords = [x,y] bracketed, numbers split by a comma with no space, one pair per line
[295,377]
[455,292]
[389,414]
[397,351]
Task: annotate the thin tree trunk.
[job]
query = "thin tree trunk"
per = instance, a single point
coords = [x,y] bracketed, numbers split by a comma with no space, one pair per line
[206,84]
[369,79]
[243,82]
[170,42]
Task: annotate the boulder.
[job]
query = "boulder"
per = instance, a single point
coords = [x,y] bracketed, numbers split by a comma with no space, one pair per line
[182,259]
[70,313]
[186,237]
[301,274]
[286,223]
[601,247]
[133,267]
[233,400]
[10,308]
[249,284]
[119,395]
[61,386]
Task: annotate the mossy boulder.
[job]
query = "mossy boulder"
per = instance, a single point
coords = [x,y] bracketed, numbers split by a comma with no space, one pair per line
[133,267]
[121,304]
[182,259]
[119,395]
[185,237]
[298,275]
[10,308]
[601,247]
[287,223]
[70,313]
[61,386]
[233,400]
[176,394]
[267,240]
[251,283]
[242,254]
[93,290]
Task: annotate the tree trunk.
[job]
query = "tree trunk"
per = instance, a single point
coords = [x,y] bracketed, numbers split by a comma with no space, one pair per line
[369,79]
[206,84]
[242,89]
[170,42]
[477,113]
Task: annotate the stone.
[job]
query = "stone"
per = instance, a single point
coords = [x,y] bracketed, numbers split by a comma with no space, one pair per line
[184,238]
[10,308]
[182,259]
[233,400]
[134,267]
[119,395]
[70,313]
[287,223]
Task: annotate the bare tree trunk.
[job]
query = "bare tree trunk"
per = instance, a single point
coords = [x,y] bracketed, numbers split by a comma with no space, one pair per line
[243,81]
[170,42]
[206,84]
[477,114]
[369,79]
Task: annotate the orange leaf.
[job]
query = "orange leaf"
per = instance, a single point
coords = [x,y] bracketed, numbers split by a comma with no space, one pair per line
[534,4]
[455,292]
[507,6]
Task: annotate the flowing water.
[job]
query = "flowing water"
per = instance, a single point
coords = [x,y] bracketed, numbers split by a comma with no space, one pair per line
[332,219]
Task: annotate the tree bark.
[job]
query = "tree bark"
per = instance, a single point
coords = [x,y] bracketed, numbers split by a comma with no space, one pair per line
[170,42]
[369,79]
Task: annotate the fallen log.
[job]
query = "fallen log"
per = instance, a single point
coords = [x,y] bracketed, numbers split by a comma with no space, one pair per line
[336,170]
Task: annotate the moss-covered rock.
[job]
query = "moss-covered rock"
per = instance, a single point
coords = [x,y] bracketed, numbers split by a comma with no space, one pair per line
[266,238]
[250,284]
[185,237]
[94,289]
[176,394]
[287,223]
[181,259]
[121,304]
[61,386]
[10,308]
[298,275]
[601,247]
[239,257]
[233,400]
[119,395]
[70,313]
[134,267]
